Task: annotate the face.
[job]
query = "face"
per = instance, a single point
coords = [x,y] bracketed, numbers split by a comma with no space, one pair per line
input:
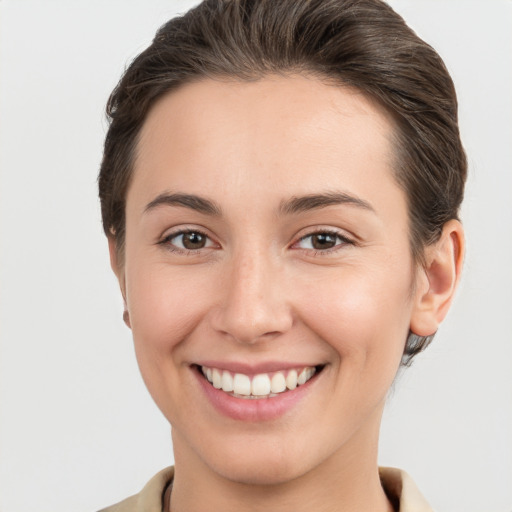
[266,237]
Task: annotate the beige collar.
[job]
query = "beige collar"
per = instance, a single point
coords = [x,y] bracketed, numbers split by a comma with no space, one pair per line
[401,489]
[398,485]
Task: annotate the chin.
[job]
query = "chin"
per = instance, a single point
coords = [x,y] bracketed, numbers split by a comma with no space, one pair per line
[254,473]
[259,462]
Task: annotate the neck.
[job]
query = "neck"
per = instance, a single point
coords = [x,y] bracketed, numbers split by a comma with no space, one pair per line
[347,480]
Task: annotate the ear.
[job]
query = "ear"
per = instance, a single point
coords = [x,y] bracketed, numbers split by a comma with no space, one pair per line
[112,249]
[438,280]
[118,269]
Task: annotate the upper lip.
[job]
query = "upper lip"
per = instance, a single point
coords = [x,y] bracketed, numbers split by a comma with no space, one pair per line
[255,368]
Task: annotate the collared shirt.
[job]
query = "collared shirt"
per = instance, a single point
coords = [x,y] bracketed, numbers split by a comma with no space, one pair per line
[398,485]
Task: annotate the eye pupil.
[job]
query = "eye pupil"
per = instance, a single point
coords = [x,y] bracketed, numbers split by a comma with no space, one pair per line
[323,241]
[194,240]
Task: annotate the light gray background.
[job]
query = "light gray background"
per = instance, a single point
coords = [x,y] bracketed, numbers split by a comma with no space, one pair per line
[77,428]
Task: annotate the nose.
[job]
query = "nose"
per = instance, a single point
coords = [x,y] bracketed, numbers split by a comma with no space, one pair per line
[254,303]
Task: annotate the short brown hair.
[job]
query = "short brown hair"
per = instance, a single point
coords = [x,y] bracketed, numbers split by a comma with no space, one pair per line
[359,43]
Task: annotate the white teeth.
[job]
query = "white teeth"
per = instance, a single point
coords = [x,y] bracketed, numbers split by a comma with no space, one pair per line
[303,377]
[216,379]
[278,383]
[291,379]
[260,385]
[227,381]
[241,384]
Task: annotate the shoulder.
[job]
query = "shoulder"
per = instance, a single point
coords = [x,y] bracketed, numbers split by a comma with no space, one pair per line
[149,499]
[402,491]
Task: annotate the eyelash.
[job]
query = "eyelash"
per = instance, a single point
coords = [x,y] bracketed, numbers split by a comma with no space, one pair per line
[167,241]
[343,241]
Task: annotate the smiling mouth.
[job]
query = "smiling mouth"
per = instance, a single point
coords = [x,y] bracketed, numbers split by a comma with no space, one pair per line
[262,385]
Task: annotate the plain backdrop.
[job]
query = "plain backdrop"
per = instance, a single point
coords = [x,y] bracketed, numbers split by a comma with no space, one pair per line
[78,430]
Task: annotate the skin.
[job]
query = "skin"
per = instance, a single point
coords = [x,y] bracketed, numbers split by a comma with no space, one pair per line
[258,291]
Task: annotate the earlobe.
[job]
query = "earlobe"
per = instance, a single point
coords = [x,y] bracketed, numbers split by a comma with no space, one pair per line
[126,317]
[438,280]
[118,271]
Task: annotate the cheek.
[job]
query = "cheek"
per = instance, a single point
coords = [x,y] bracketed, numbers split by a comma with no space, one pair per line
[165,305]
[363,314]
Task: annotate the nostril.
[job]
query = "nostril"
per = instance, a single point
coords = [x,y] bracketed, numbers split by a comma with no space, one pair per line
[250,336]
[249,314]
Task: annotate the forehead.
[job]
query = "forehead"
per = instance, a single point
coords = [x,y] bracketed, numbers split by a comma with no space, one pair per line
[278,133]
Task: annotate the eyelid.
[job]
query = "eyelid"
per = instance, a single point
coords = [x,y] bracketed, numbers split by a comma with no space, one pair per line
[165,239]
[345,240]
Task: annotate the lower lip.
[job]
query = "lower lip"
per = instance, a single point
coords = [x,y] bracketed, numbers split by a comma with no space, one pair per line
[254,410]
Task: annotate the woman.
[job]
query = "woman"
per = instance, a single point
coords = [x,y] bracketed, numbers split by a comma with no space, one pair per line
[280,190]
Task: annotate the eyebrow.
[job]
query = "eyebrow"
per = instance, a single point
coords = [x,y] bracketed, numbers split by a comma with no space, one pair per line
[291,206]
[199,204]
[314,201]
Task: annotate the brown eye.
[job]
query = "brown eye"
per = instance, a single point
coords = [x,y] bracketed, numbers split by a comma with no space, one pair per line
[187,241]
[193,240]
[323,241]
